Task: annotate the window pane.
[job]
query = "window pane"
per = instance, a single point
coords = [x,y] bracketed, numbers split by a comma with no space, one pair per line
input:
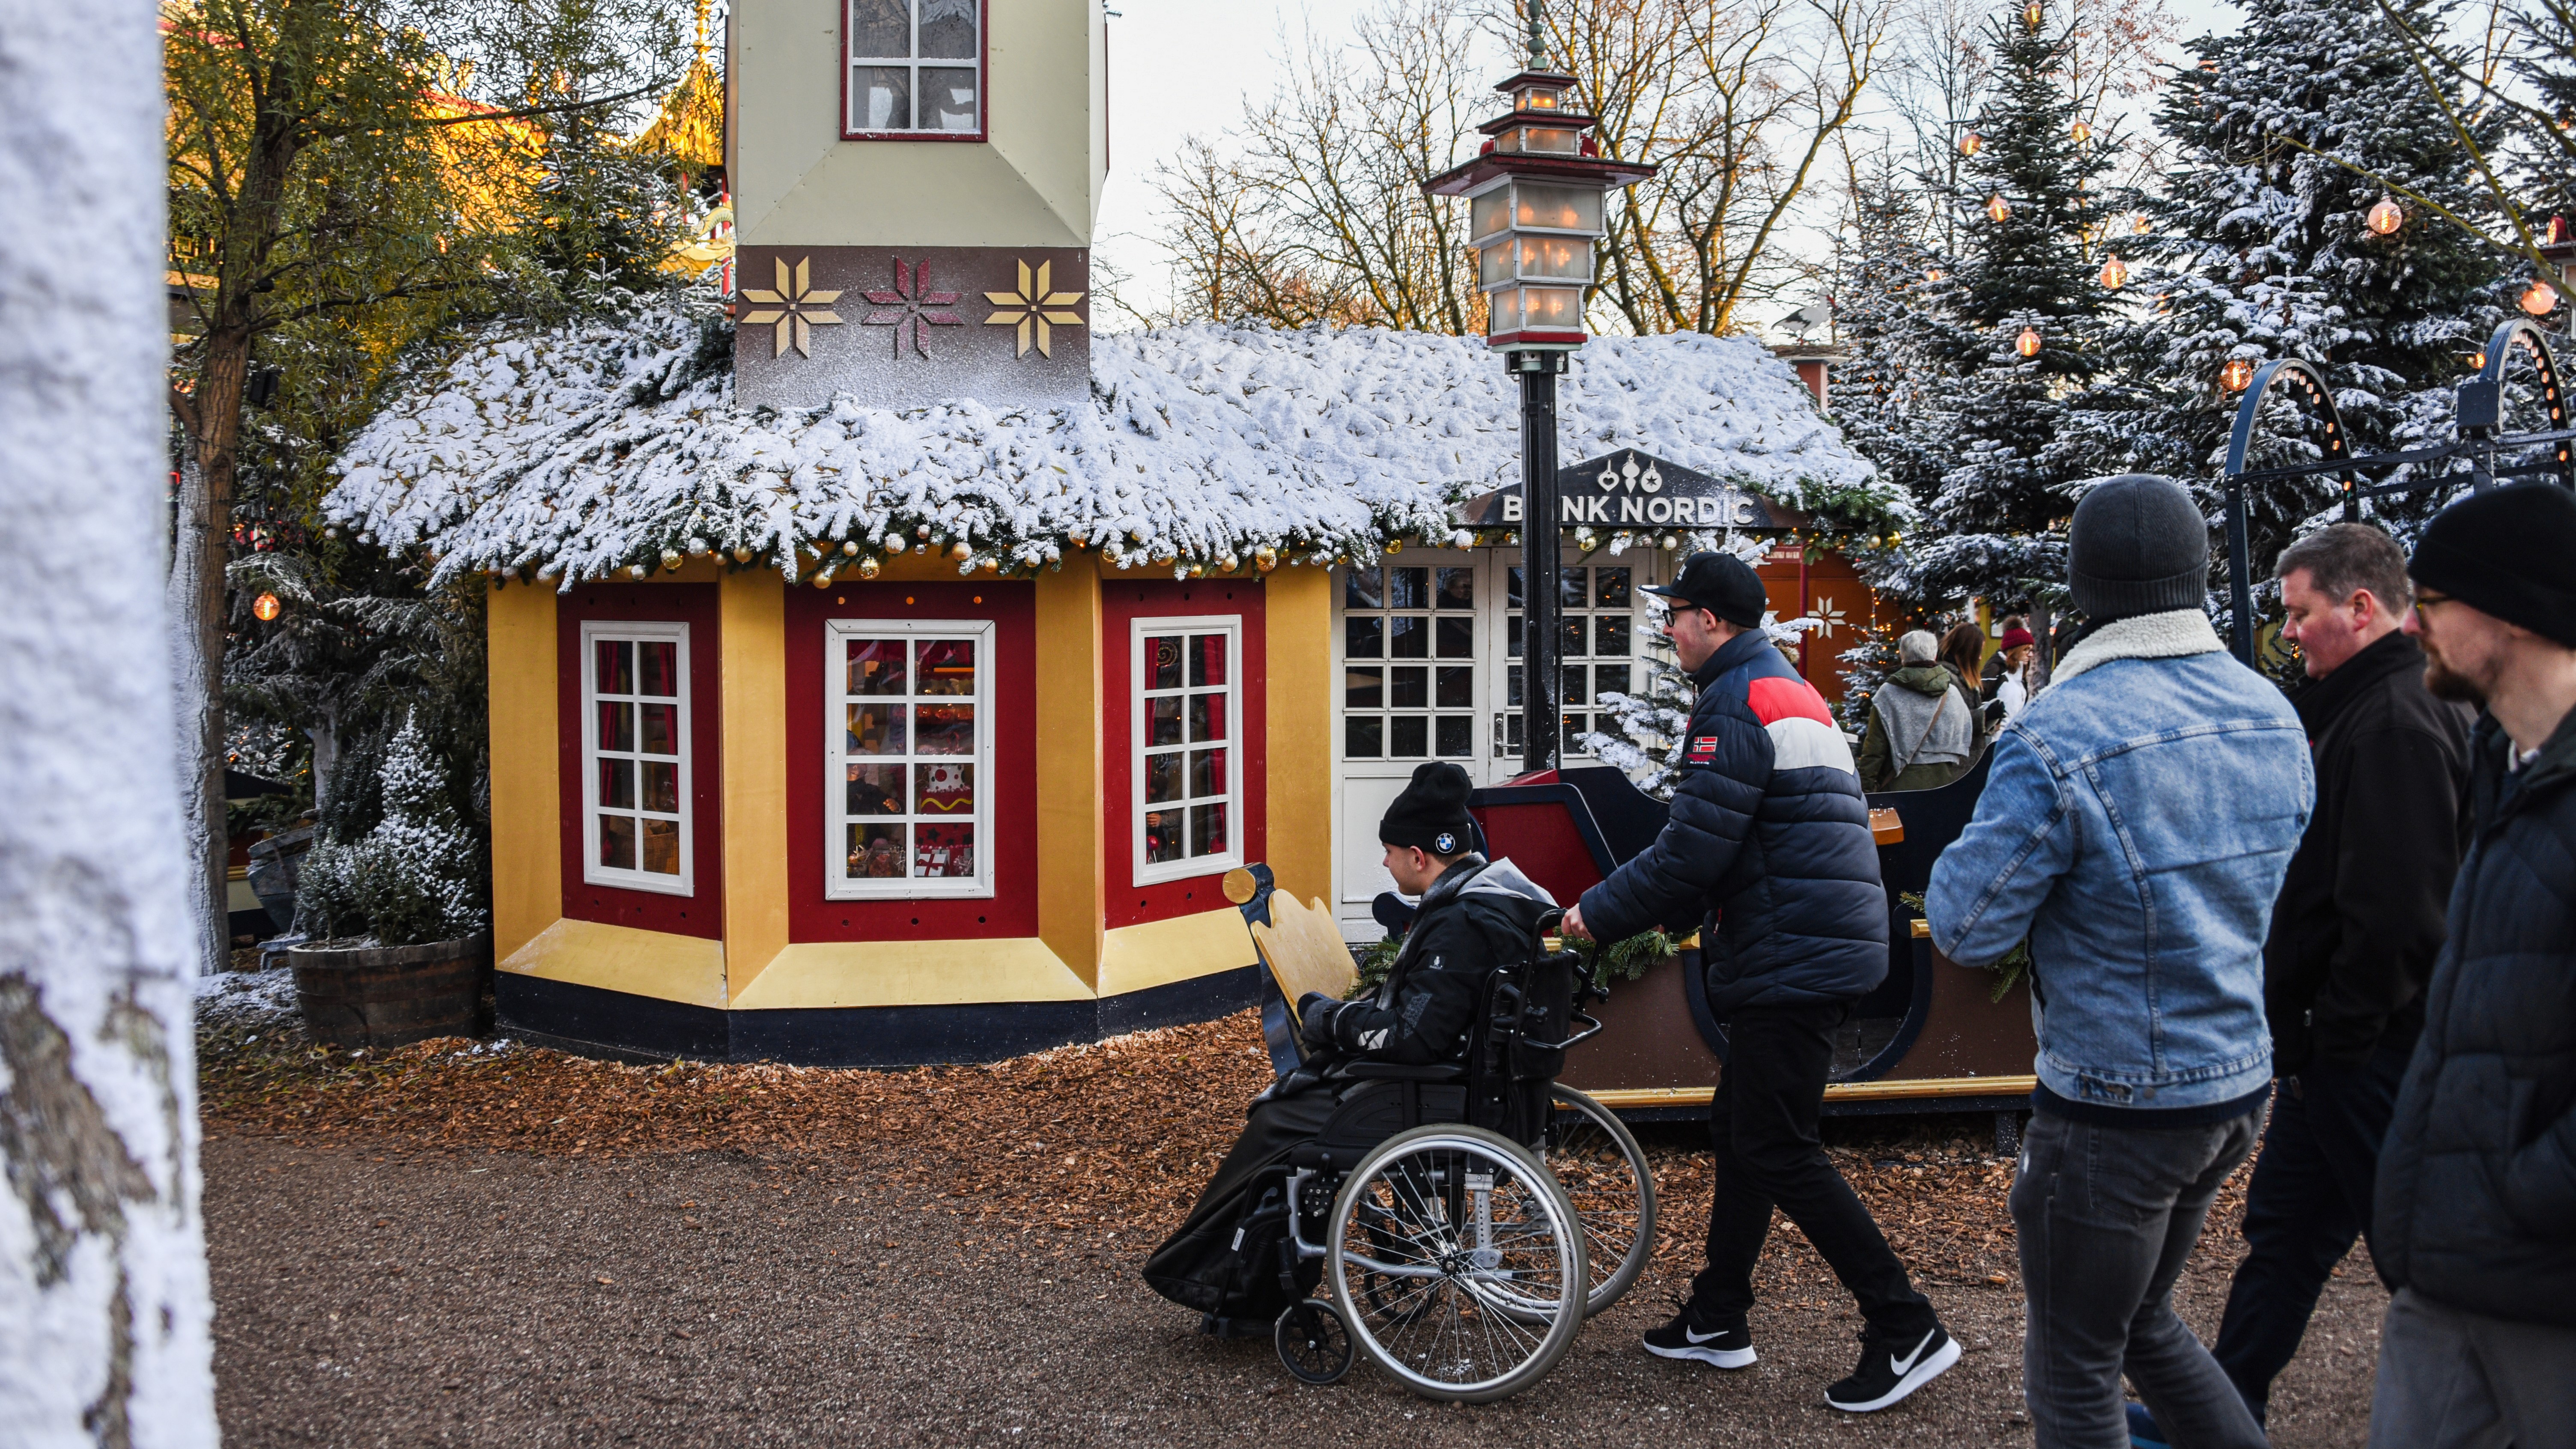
[660,659]
[877,852]
[1610,634]
[1362,589]
[948,29]
[1162,663]
[1408,588]
[1457,637]
[1207,773]
[1163,778]
[661,729]
[880,28]
[1207,717]
[1457,589]
[617,841]
[1408,734]
[1363,637]
[617,727]
[874,790]
[1610,588]
[616,667]
[1363,737]
[1512,587]
[1207,660]
[1575,724]
[876,666]
[1363,688]
[1512,688]
[947,667]
[662,847]
[617,784]
[881,98]
[1408,638]
[1512,636]
[875,729]
[1456,687]
[1162,836]
[944,729]
[1569,589]
[1163,720]
[1570,644]
[1610,679]
[1207,829]
[1454,734]
[946,849]
[662,786]
[1409,688]
[947,99]
[946,790]
[1574,692]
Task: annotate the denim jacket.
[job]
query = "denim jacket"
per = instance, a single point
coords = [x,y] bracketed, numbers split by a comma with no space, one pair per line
[2140,816]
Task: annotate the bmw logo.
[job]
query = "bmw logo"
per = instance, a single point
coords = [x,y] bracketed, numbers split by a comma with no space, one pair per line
[1444,844]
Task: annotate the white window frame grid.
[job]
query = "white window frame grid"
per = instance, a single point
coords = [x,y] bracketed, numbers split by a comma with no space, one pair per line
[838,884]
[852,63]
[1138,694]
[1509,718]
[593,872]
[1432,661]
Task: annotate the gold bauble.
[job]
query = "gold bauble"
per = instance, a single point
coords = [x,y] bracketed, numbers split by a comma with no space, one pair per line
[671,559]
[867,568]
[849,548]
[961,550]
[742,555]
[1265,559]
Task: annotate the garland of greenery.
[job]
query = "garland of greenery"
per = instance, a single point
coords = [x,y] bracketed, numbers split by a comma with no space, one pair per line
[2014,965]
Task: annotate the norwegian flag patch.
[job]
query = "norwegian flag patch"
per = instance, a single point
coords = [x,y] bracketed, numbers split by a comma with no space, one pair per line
[1703,750]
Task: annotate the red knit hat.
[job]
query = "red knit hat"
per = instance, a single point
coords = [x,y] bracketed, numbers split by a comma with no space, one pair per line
[2015,637]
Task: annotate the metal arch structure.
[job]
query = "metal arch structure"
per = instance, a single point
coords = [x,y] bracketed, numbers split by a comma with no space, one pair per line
[2479,438]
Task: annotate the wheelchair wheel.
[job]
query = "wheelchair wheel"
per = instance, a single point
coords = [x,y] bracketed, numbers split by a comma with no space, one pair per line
[1314,1344]
[1603,1171]
[1455,1259]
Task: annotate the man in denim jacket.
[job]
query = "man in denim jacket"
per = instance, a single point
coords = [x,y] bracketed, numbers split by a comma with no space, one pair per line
[2136,827]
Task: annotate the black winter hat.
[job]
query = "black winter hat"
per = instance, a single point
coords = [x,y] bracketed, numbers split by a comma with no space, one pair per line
[1431,813]
[2509,552]
[2138,546]
[1722,584]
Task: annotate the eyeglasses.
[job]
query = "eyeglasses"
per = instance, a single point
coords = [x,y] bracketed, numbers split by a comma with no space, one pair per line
[2424,601]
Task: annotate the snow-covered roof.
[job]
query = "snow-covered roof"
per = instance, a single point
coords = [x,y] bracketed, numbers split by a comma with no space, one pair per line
[608,445]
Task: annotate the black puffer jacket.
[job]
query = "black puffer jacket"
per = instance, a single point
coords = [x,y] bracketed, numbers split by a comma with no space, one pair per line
[1768,839]
[1475,917]
[2477,1182]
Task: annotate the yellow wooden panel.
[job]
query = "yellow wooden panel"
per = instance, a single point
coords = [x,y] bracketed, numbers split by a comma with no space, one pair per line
[621,958]
[1304,951]
[527,797]
[1071,864]
[1898,1089]
[751,619]
[1297,635]
[911,973]
[1158,953]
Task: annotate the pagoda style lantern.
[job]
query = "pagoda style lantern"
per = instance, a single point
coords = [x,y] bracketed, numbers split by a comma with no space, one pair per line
[2387,216]
[1535,200]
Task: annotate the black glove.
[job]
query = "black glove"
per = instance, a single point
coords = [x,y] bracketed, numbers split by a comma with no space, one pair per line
[1315,1020]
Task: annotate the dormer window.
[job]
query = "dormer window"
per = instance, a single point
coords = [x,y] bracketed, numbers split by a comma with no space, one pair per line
[916,70]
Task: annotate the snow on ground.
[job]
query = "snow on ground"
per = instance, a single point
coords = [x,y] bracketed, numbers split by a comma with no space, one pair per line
[250,1000]
[618,444]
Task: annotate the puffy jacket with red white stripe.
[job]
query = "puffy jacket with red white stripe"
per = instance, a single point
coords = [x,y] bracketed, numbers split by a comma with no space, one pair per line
[1767,851]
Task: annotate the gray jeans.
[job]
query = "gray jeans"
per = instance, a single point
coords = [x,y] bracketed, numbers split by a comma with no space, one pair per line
[2454,1380]
[2107,1216]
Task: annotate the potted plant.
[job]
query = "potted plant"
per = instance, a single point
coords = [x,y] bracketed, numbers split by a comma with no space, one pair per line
[397,943]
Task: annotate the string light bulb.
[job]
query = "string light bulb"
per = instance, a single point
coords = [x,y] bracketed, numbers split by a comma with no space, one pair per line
[2139,225]
[1971,143]
[2237,375]
[1997,208]
[2539,298]
[265,607]
[2386,217]
[2477,362]
[2032,14]
[2082,133]
[1934,274]
[2027,344]
[2114,275]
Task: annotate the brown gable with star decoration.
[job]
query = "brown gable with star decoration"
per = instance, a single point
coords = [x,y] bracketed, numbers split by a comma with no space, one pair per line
[1005,326]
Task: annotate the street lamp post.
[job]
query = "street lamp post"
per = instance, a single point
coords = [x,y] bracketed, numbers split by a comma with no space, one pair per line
[1536,193]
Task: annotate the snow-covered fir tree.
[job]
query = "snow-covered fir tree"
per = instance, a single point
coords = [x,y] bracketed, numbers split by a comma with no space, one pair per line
[1888,395]
[416,877]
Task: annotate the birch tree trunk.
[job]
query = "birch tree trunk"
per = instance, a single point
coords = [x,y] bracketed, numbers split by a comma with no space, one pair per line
[195,674]
[104,1313]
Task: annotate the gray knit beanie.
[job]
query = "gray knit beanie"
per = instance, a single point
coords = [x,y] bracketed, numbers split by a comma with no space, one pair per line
[1916,646]
[2138,546]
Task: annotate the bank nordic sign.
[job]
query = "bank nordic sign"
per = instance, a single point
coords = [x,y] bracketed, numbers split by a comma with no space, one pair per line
[1631,489]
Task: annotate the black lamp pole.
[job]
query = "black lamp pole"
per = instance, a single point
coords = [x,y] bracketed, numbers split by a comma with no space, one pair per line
[1542,621]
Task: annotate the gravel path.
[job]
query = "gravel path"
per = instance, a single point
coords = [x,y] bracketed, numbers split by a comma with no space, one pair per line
[371,1292]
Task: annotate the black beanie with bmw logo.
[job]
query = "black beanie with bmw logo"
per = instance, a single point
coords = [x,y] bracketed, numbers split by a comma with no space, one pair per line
[1431,813]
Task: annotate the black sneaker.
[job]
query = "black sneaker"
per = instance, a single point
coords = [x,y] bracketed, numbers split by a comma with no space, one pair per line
[1889,1371]
[1728,1346]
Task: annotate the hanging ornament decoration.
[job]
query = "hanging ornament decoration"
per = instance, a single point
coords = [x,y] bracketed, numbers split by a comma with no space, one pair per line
[849,548]
[2539,298]
[742,555]
[1265,558]
[961,550]
[2027,344]
[1997,208]
[2139,225]
[265,607]
[2237,375]
[868,568]
[671,559]
[2082,133]
[2032,14]
[1971,143]
[2114,275]
[1934,274]
[2387,216]
[2477,362]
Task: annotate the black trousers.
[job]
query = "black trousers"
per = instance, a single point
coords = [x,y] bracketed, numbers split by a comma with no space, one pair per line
[1763,1127]
[2309,1199]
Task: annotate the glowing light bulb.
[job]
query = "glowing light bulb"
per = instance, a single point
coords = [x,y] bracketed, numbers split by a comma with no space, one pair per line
[2387,216]
[1997,208]
[2082,133]
[2477,362]
[2027,344]
[265,607]
[2032,14]
[2140,225]
[1934,274]
[2114,275]
[2539,298]
[1971,143]
[2237,375]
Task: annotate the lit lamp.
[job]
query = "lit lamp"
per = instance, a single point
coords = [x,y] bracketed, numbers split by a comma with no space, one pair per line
[1971,143]
[2032,14]
[1535,207]
[1997,208]
[2387,216]
[1933,274]
[2140,225]
[2539,298]
[2027,344]
[2237,375]
[265,608]
[2114,275]
[2082,133]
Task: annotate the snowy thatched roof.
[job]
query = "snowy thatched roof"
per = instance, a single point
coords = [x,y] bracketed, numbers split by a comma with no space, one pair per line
[618,445]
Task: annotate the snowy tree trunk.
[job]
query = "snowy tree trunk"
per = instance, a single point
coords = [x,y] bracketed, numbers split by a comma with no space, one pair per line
[104,1312]
[200,724]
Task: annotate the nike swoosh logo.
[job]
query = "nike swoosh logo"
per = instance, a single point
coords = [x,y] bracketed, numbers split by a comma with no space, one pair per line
[1905,1365]
[1699,1338]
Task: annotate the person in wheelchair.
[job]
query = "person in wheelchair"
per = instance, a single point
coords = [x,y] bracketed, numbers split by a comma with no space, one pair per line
[1475,915]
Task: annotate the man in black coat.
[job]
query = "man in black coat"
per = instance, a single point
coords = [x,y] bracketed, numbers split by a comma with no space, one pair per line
[2476,1223]
[2353,935]
[1767,852]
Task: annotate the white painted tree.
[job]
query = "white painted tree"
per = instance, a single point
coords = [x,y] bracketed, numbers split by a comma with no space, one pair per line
[104,1313]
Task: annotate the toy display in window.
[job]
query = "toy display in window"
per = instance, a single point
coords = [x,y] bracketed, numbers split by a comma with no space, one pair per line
[1162,837]
[944,851]
[944,729]
[875,729]
[947,667]
[947,789]
[875,790]
[876,851]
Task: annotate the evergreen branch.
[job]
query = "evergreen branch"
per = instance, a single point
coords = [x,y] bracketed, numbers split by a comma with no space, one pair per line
[2415,51]
[2399,188]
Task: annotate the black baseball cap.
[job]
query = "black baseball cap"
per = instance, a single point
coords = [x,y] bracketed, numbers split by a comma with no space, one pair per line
[1722,584]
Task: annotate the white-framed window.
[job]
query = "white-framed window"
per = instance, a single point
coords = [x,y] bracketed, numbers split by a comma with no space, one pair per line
[1409,662]
[1597,609]
[908,763]
[916,68]
[1187,745]
[635,786]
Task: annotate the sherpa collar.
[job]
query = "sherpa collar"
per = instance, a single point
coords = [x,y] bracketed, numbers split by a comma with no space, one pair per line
[2171,635]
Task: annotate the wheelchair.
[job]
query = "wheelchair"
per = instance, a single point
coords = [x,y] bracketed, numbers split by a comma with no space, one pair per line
[1454,1224]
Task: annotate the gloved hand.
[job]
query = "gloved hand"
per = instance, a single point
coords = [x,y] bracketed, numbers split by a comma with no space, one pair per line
[1315,1020]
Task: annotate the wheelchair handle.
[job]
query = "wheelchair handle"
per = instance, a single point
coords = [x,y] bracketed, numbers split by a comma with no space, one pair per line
[1580,1036]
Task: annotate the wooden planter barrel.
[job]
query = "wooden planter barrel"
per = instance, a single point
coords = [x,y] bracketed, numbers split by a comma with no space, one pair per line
[384,996]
